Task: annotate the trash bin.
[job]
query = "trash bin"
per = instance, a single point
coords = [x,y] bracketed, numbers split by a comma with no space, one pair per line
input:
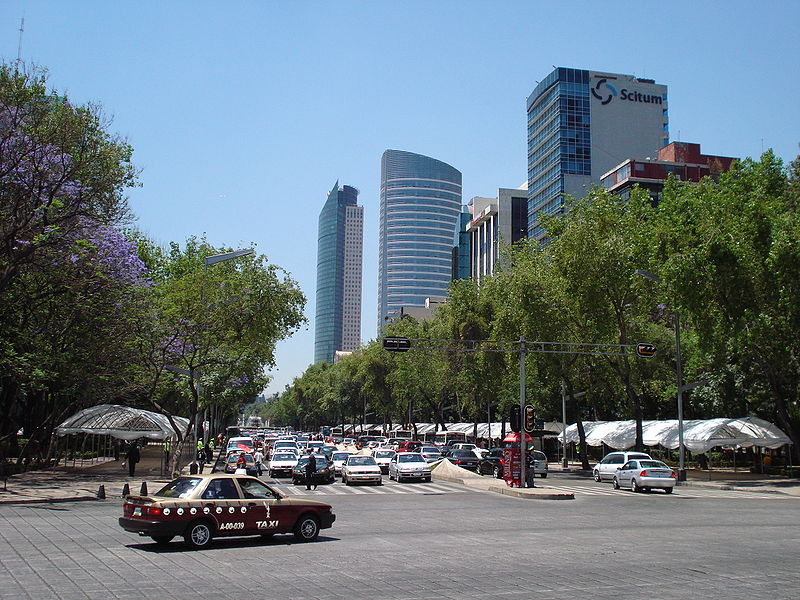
[193,468]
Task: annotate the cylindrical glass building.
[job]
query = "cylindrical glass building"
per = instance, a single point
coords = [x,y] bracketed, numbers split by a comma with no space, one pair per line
[420,203]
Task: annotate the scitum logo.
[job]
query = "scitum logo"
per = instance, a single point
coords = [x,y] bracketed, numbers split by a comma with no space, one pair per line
[605,95]
[605,92]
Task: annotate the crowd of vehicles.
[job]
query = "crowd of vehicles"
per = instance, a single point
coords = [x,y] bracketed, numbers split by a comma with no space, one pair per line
[285,455]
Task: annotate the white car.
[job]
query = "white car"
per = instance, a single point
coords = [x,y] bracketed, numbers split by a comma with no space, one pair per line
[382,456]
[644,475]
[606,468]
[409,465]
[284,446]
[430,453]
[361,469]
[338,458]
[281,464]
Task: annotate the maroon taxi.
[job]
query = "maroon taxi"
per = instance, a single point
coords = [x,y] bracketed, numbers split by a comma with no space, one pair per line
[202,507]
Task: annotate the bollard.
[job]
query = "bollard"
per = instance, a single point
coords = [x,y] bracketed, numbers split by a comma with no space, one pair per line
[101,492]
[126,490]
[143,491]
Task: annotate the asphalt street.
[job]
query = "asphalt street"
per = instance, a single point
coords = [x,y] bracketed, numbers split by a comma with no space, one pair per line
[441,540]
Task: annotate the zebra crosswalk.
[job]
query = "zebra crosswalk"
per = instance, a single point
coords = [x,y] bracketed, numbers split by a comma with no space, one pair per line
[337,489]
[680,492]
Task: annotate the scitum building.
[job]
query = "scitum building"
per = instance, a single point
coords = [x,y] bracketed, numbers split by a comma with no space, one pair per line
[580,125]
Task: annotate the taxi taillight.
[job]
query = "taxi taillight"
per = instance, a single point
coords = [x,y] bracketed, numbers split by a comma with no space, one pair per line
[154,510]
[643,474]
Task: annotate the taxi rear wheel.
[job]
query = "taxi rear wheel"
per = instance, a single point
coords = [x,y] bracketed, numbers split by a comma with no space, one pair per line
[199,534]
[306,529]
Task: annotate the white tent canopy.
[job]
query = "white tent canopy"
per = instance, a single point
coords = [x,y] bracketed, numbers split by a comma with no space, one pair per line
[122,422]
[698,435]
[494,429]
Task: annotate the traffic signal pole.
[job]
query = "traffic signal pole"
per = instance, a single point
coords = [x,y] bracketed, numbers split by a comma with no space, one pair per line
[522,433]
[642,350]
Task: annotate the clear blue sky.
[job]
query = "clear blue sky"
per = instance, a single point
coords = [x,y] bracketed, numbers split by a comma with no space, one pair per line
[242,115]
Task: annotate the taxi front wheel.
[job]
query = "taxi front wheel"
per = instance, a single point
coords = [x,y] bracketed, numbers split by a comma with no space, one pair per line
[198,535]
[306,529]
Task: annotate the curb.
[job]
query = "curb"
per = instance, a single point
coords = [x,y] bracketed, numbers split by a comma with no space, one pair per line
[525,493]
[509,491]
[47,500]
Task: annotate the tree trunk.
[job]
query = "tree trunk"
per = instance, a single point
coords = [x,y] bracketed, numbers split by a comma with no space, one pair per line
[582,443]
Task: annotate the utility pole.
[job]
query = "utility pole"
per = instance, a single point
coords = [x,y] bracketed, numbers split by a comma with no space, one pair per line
[19,46]
[522,432]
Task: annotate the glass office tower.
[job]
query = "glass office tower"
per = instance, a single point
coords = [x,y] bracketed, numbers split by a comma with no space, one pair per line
[420,204]
[580,125]
[339,264]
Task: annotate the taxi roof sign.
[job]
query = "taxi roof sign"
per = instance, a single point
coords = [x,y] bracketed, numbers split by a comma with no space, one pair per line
[396,344]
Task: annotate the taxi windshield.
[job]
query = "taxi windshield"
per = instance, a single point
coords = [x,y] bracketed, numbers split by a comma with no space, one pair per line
[180,488]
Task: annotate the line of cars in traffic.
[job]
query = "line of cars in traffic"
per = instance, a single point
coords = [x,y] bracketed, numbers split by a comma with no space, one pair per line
[635,470]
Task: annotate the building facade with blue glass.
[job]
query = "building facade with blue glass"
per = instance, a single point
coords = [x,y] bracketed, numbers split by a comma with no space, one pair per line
[580,125]
[337,325]
[420,204]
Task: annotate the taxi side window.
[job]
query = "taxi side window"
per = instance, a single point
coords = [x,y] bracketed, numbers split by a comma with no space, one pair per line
[221,489]
[255,489]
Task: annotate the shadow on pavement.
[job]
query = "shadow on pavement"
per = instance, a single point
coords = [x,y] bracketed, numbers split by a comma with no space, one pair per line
[177,544]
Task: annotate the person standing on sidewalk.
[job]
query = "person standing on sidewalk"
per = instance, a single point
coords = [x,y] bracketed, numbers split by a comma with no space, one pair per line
[133,457]
[209,452]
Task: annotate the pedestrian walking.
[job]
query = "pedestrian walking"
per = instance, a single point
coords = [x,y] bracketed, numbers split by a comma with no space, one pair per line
[167,450]
[132,457]
[311,468]
[259,458]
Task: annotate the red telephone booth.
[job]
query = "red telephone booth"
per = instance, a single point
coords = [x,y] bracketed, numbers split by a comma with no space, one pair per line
[511,459]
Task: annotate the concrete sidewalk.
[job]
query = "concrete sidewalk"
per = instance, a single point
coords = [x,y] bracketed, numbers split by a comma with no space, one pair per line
[70,484]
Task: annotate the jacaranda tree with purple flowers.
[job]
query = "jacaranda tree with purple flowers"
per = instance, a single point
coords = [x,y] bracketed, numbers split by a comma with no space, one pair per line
[68,275]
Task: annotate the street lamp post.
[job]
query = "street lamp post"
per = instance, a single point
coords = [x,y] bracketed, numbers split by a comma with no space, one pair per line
[208,261]
[679,374]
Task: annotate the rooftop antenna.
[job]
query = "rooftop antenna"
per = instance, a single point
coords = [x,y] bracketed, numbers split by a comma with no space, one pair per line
[19,47]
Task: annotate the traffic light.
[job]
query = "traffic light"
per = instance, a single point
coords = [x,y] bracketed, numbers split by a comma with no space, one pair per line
[515,419]
[530,418]
[396,344]
[645,350]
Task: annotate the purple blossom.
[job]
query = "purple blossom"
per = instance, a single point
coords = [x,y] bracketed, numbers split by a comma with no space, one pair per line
[238,381]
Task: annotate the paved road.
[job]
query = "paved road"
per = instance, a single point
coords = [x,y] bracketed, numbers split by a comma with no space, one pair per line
[453,543]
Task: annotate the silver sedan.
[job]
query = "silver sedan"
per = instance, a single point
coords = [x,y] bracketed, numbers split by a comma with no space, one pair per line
[644,475]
